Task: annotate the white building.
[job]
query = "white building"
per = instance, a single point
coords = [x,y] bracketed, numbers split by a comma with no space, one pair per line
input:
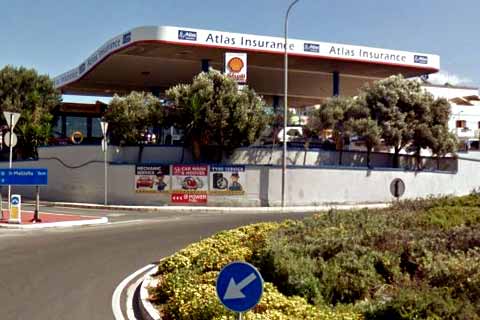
[465,117]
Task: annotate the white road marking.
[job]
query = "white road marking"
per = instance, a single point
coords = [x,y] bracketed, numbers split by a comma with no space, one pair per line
[129,302]
[116,214]
[127,221]
[117,294]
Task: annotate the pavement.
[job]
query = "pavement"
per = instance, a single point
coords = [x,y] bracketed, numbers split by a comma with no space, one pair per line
[49,220]
[71,273]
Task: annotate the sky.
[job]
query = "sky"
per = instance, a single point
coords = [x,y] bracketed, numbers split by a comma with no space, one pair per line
[54,36]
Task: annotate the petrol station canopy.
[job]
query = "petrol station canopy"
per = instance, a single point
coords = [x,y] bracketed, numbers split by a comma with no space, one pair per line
[154,58]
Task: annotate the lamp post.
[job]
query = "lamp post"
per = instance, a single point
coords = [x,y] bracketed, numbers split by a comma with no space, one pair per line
[285,109]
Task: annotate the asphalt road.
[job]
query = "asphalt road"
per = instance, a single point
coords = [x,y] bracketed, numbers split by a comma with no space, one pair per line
[72,273]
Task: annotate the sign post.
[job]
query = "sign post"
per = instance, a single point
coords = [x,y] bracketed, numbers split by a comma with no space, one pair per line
[15,209]
[24,177]
[12,119]
[104,126]
[36,214]
[239,287]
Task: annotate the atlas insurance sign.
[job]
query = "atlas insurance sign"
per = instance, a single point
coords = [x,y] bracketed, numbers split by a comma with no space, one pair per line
[236,66]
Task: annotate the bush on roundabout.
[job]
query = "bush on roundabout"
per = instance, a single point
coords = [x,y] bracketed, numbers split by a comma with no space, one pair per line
[415,260]
[186,287]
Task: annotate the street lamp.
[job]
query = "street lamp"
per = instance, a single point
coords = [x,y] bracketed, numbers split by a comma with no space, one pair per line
[285,108]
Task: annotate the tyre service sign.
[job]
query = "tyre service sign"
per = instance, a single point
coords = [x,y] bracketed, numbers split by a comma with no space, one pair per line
[227,180]
[152,178]
[190,178]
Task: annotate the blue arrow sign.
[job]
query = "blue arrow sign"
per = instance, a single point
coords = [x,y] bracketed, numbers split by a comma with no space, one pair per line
[15,200]
[24,176]
[239,286]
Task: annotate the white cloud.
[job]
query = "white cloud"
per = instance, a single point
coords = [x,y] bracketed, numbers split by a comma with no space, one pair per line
[443,77]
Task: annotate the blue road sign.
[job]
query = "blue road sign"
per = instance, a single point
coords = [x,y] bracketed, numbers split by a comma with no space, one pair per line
[15,200]
[239,286]
[24,176]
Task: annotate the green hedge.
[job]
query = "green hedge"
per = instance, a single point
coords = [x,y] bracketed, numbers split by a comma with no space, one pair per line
[415,260]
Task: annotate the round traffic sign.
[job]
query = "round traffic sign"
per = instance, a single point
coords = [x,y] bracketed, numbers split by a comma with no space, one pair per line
[6,139]
[397,188]
[239,286]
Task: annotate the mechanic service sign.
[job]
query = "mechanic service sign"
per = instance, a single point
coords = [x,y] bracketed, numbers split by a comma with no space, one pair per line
[152,178]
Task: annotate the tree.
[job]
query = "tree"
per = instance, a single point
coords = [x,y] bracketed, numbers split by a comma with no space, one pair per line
[368,131]
[406,115]
[334,114]
[399,106]
[34,97]
[213,110]
[132,115]
[433,131]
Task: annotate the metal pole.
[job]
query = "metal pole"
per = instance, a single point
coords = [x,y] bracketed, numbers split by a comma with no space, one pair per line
[1,204]
[240,316]
[36,216]
[10,158]
[106,170]
[285,109]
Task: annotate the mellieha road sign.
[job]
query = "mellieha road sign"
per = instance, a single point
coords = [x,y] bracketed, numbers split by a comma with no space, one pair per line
[239,286]
[24,176]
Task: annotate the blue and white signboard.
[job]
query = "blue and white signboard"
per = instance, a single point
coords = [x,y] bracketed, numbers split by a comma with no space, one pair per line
[24,176]
[239,286]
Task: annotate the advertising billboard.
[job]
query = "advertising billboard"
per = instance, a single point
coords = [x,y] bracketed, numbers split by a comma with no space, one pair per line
[152,178]
[189,178]
[227,180]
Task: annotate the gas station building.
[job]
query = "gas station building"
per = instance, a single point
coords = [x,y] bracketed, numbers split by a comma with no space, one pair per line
[155,58]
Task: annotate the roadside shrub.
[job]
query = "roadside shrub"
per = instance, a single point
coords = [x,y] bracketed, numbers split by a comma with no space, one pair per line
[447,217]
[420,303]
[415,260]
[460,272]
[186,288]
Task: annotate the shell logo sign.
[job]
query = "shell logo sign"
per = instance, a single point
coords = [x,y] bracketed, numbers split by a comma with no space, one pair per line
[236,66]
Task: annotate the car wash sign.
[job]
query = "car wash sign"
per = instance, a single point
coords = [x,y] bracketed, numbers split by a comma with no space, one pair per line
[236,66]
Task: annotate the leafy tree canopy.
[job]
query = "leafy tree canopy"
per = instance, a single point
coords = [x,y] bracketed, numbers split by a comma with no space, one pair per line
[34,97]
[131,115]
[394,111]
[213,110]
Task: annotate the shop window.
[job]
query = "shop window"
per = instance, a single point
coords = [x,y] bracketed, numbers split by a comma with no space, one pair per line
[57,127]
[96,128]
[76,124]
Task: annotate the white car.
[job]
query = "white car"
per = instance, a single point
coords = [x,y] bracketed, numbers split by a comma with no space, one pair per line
[292,134]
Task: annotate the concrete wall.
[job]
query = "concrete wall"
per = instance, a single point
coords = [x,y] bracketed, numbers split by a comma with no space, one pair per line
[315,186]
[316,157]
[306,185]
[78,155]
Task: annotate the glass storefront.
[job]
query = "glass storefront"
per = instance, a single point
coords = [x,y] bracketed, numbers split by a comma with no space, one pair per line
[96,128]
[76,124]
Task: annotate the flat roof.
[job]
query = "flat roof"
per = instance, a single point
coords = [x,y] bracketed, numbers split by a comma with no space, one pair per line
[159,57]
